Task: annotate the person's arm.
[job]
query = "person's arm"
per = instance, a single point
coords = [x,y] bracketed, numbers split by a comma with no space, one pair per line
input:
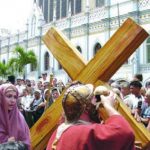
[144,120]
[42,104]
[148,126]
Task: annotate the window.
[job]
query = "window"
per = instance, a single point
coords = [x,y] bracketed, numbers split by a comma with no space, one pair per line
[41,4]
[99,3]
[46,61]
[59,66]
[72,7]
[148,50]
[32,67]
[78,6]
[4,62]
[79,49]
[97,47]
[75,6]
[46,10]
[51,10]
[57,9]
[63,8]
[33,26]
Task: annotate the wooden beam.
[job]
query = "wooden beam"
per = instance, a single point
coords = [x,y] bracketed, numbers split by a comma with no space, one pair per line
[105,63]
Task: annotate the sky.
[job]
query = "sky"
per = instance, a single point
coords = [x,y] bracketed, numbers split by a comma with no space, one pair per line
[14,14]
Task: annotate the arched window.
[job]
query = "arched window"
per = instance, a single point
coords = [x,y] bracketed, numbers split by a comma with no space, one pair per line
[46,61]
[75,6]
[4,62]
[33,26]
[78,6]
[59,66]
[46,10]
[51,10]
[63,8]
[32,68]
[148,50]
[79,49]
[99,3]
[97,47]
[57,9]
[41,3]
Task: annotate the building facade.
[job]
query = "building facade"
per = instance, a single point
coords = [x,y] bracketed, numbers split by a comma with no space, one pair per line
[88,24]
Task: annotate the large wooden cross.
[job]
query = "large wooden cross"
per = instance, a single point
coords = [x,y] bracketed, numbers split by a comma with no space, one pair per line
[98,71]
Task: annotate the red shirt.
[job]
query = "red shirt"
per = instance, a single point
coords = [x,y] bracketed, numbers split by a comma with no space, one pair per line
[115,134]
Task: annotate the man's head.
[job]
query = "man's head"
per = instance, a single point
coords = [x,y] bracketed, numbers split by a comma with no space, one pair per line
[46,85]
[147,85]
[125,88]
[19,81]
[135,87]
[138,77]
[11,79]
[75,100]
[55,93]
[147,96]
[37,94]
[44,75]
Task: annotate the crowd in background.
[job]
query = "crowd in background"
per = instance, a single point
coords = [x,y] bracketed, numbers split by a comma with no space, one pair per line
[136,96]
[25,101]
[36,97]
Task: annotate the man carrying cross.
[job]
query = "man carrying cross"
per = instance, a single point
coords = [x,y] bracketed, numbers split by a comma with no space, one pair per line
[77,134]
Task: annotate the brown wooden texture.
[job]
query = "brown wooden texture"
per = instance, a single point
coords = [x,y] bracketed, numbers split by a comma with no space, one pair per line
[105,63]
[64,52]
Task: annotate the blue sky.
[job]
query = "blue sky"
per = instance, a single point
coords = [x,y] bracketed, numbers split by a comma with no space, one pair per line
[14,14]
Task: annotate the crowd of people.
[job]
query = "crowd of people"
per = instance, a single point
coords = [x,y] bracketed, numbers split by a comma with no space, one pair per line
[23,102]
[136,96]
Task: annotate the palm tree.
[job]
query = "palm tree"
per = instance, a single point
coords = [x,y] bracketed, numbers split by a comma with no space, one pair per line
[22,58]
[4,70]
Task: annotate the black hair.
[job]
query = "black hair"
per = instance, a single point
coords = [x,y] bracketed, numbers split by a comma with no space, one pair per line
[136,84]
[139,77]
[11,79]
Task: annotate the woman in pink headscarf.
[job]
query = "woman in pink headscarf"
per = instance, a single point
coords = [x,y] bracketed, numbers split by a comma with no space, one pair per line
[12,124]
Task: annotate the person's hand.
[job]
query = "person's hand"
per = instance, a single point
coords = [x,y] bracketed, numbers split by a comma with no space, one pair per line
[108,100]
[11,139]
[108,103]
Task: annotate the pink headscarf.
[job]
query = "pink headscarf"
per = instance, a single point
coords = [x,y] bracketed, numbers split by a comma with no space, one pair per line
[12,123]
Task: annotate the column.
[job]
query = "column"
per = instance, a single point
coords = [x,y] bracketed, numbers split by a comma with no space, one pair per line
[26,46]
[8,47]
[40,45]
[87,28]
[136,64]
[69,19]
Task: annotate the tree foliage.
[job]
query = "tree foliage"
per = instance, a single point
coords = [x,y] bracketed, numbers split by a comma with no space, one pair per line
[4,69]
[22,59]
[16,65]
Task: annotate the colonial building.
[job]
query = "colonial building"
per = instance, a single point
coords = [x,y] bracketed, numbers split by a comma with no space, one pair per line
[88,24]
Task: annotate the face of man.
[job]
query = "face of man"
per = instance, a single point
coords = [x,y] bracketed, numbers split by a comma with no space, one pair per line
[19,81]
[147,98]
[36,95]
[44,76]
[135,90]
[25,92]
[125,90]
[55,94]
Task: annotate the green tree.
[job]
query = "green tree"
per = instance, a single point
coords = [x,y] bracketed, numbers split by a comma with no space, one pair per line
[4,70]
[22,58]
